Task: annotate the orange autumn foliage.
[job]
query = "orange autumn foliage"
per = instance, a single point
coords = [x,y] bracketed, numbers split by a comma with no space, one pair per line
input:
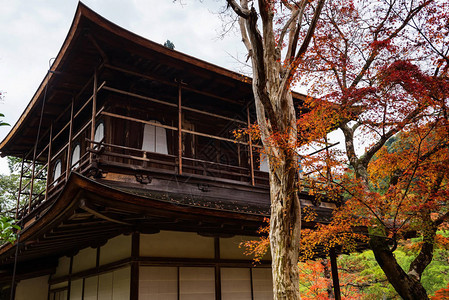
[380,73]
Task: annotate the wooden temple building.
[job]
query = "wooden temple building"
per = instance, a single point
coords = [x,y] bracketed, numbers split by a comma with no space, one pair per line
[132,183]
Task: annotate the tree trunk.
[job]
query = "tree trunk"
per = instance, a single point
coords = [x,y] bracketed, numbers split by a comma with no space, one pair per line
[276,116]
[407,286]
[328,276]
[285,225]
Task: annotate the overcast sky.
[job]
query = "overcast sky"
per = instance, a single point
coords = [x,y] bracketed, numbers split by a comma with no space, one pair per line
[32,32]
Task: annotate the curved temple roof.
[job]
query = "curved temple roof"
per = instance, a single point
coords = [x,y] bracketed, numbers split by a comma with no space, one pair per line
[92,41]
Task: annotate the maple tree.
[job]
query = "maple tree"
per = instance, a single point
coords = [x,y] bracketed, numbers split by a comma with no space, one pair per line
[380,73]
[316,282]
[442,294]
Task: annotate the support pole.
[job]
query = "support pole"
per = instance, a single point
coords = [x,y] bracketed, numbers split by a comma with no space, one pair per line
[32,180]
[135,266]
[69,148]
[49,171]
[334,268]
[94,112]
[250,143]
[20,187]
[37,142]
[217,269]
[179,130]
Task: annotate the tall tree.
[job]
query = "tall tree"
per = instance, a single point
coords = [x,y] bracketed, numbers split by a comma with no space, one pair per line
[277,34]
[381,73]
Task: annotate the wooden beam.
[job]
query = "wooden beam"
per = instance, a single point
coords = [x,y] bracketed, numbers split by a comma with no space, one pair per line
[250,144]
[85,207]
[97,46]
[213,115]
[118,91]
[70,267]
[173,128]
[172,104]
[94,113]
[69,148]
[49,171]
[179,130]
[134,282]
[105,113]
[169,83]
[20,187]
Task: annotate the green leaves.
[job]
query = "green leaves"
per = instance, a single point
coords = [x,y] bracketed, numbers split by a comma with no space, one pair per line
[1,121]
[8,229]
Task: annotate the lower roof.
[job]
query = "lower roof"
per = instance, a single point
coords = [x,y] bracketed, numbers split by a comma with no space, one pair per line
[88,213]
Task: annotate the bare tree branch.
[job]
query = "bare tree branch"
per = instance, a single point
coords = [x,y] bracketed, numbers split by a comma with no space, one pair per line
[239,10]
[311,31]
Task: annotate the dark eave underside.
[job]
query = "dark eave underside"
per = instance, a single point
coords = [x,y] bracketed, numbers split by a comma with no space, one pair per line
[87,213]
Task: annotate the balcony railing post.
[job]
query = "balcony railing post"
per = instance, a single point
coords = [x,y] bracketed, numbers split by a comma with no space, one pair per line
[179,130]
[69,148]
[20,186]
[94,113]
[250,144]
[49,171]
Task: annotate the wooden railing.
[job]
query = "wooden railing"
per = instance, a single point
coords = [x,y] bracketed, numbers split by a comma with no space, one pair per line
[122,156]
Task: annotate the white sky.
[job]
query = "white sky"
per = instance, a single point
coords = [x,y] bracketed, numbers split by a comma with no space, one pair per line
[32,32]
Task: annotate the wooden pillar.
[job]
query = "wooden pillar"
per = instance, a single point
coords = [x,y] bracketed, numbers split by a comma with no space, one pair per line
[69,286]
[49,171]
[94,113]
[251,282]
[334,268]
[179,131]
[69,147]
[32,179]
[217,269]
[250,143]
[135,253]
[20,187]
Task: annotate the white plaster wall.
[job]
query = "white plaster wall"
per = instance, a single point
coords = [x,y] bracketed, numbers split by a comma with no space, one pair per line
[115,249]
[113,285]
[197,283]
[63,267]
[230,248]
[85,259]
[90,288]
[176,244]
[121,284]
[235,284]
[105,283]
[262,284]
[158,283]
[76,290]
[32,289]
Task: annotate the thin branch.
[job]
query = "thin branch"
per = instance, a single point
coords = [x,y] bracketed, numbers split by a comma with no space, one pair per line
[239,10]
[375,52]
[291,20]
[311,31]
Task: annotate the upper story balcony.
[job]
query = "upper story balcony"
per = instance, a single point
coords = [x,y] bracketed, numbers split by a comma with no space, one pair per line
[128,113]
[134,130]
